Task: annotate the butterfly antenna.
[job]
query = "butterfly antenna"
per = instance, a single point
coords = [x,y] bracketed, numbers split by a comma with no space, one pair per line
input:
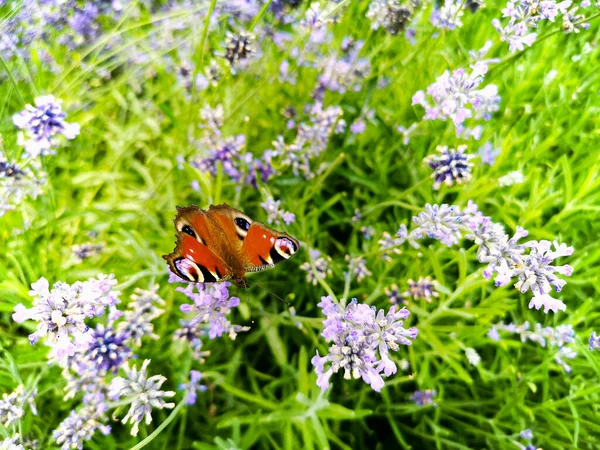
[272,293]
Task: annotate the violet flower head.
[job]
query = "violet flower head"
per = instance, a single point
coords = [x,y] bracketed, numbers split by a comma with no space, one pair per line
[361,338]
[448,16]
[238,47]
[451,166]
[192,387]
[61,312]
[392,15]
[594,342]
[321,269]
[456,96]
[41,123]
[442,223]
[212,304]
[80,426]
[18,183]
[192,333]
[142,393]
[488,153]
[275,213]
[107,350]
[423,398]
[143,308]
[424,288]
[12,406]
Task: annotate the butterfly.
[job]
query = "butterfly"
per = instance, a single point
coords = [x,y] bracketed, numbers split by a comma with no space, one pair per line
[222,243]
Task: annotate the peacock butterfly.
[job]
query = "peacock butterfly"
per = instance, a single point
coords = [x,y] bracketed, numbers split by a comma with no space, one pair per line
[222,243]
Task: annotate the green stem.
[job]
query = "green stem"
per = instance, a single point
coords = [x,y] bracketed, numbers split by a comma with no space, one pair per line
[161,427]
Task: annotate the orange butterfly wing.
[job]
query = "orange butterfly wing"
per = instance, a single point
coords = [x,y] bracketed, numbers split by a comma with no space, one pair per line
[223,243]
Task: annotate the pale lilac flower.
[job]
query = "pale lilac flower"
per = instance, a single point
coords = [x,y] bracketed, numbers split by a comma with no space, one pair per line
[12,443]
[41,123]
[85,251]
[424,288]
[472,356]
[192,333]
[511,178]
[442,223]
[212,304]
[358,126]
[594,342]
[407,133]
[141,311]
[488,153]
[18,183]
[392,15]
[526,434]
[142,393]
[322,269]
[61,312]
[448,16]
[361,340]
[456,96]
[450,166]
[276,214]
[12,406]
[192,387]
[358,268]
[394,295]
[423,398]
[345,72]
[80,426]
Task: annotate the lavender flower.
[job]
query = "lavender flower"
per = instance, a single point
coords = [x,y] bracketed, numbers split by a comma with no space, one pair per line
[450,166]
[238,47]
[142,393]
[449,16]
[41,124]
[85,251]
[275,214]
[556,338]
[358,267]
[80,426]
[108,350]
[424,288]
[12,406]
[61,312]
[141,311]
[594,341]
[442,223]
[488,153]
[390,14]
[472,356]
[423,398]
[453,93]
[17,183]
[192,333]
[211,305]
[322,269]
[514,177]
[345,73]
[12,443]
[394,295]
[193,386]
[361,340]
[526,434]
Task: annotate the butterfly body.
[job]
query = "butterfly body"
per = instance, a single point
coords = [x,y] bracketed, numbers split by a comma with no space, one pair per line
[222,243]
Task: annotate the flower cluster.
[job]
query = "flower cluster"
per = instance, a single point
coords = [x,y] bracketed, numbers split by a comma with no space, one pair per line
[61,312]
[212,304]
[594,342]
[361,340]
[557,337]
[423,398]
[18,183]
[321,267]
[525,15]
[226,153]
[192,387]
[12,406]
[238,48]
[456,96]
[530,263]
[450,166]
[275,214]
[41,124]
[141,392]
[393,15]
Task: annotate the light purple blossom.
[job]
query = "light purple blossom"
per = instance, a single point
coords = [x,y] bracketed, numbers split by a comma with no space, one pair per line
[276,214]
[192,387]
[41,123]
[61,312]
[322,269]
[424,398]
[141,392]
[212,304]
[361,339]
[80,426]
[423,288]
[393,15]
[12,406]
[488,153]
[456,96]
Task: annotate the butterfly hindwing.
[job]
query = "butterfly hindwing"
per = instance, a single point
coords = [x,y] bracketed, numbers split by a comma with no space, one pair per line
[264,247]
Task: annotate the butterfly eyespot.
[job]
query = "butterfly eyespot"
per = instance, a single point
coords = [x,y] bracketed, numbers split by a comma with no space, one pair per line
[242,223]
[188,230]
